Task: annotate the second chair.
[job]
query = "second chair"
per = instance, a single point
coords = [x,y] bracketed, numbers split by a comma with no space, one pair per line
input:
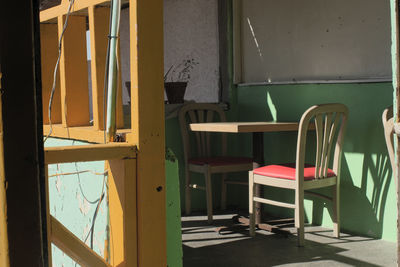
[200,159]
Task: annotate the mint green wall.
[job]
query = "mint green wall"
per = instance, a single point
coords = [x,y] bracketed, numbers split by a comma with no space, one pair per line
[73,201]
[368,201]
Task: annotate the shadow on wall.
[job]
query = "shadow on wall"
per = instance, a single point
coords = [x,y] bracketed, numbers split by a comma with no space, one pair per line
[367,192]
[363,206]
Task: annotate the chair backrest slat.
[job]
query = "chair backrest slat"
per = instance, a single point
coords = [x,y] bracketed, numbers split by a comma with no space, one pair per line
[388,126]
[210,118]
[332,134]
[327,118]
[193,119]
[199,113]
[325,144]
[319,132]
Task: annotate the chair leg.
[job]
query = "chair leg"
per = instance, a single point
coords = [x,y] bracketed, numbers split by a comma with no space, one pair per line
[252,215]
[336,210]
[223,192]
[188,200]
[299,217]
[209,195]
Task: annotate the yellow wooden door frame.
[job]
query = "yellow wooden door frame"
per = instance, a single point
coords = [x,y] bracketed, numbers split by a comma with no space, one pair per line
[148,127]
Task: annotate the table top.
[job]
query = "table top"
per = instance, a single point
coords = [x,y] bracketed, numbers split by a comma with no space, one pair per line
[244,127]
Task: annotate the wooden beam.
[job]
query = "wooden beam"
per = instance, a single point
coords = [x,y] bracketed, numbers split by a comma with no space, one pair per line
[120,111]
[79,6]
[49,55]
[147,99]
[84,133]
[74,247]
[62,9]
[74,72]
[116,204]
[65,154]
[123,216]
[99,19]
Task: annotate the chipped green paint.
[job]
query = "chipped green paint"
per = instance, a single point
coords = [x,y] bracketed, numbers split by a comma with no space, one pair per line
[74,205]
[73,201]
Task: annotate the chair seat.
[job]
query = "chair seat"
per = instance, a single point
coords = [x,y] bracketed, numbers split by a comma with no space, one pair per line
[288,171]
[220,161]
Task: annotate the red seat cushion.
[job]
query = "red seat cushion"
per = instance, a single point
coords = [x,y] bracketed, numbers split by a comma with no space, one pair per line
[220,161]
[288,171]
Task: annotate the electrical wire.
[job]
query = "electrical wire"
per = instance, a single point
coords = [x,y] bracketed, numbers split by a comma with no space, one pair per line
[91,230]
[53,89]
[111,127]
[105,86]
[98,201]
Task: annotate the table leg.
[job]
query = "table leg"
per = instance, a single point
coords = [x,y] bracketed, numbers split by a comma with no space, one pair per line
[243,222]
[258,161]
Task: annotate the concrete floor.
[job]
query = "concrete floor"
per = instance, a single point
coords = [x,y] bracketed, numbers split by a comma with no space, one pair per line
[203,246]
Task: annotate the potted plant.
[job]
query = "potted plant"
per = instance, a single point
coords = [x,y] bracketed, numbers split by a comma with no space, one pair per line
[176,80]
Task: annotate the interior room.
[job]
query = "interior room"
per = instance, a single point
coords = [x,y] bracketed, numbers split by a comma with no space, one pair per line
[200,133]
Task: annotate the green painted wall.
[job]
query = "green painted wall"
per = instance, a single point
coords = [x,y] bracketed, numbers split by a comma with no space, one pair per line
[368,201]
[174,233]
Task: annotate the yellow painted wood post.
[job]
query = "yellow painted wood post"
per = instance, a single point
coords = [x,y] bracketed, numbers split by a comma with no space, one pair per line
[147,98]
[74,72]
[4,259]
[49,46]
[99,18]
[123,217]
[119,112]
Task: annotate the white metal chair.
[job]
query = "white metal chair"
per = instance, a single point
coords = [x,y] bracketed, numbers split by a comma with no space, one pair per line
[300,176]
[200,159]
[388,126]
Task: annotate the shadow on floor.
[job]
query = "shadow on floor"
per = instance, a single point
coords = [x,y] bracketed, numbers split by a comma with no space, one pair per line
[203,246]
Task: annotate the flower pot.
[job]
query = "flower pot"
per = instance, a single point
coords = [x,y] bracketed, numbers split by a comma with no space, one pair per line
[175,91]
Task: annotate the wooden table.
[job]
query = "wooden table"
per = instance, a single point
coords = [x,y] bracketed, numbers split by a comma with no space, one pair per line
[257,129]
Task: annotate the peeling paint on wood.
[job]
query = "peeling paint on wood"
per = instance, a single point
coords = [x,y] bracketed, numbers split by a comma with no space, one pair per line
[73,202]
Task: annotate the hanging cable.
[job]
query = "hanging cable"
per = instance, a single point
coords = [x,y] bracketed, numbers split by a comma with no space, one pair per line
[112,80]
[53,89]
[105,88]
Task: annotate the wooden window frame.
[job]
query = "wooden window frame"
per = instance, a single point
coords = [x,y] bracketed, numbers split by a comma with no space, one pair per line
[70,106]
